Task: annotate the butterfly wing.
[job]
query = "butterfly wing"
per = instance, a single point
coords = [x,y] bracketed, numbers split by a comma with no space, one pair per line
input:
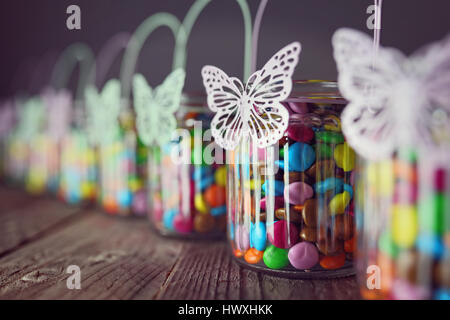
[102,112]
[93,102]
[266,118]
[371,122]
[431,65]
[143,97]
[167,101]
[224,95]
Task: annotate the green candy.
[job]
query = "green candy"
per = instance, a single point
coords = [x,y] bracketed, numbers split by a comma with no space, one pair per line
[275,258]
[432,213]
[330,137]
[323,151]
[387,245]
[282,153]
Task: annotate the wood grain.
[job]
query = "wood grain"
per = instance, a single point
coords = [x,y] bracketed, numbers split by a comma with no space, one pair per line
[29,218]
[124,259]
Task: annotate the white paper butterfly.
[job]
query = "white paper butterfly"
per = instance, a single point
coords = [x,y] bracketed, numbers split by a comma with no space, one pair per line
[393,99]
[155,108]
[103,113]
[59,111]
[256,109]
[31,118]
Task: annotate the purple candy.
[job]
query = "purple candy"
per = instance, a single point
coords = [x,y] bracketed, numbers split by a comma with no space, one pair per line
[298,193]
[139,205]
[298,107]
[403,290]
[242,238]
[303,255]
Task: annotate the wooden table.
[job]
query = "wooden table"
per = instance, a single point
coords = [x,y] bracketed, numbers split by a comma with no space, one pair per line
[123,259]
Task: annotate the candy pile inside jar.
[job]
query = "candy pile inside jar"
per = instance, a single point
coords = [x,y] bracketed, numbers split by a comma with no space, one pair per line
[406,224]
[291,207]
[121,181]
[188,198]
[78,169]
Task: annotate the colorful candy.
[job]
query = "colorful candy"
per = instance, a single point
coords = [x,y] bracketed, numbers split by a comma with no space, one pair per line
[406,211]
[195,189]
[298,211]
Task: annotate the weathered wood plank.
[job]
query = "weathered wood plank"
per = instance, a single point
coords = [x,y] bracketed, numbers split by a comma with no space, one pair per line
[123,259]
[206,271]
[11,198]
[31,219]
[118,258]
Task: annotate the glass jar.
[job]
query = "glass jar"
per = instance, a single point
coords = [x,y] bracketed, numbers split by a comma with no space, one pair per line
[16,159]
[290,206]
[78,177]
[121,184]
[403,212]
[187,177]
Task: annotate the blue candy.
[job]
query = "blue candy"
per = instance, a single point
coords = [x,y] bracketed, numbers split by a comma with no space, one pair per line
[205,182]
[280,164]
[168,219]
[430,244]
[125,198]
[279,187]
[218,211]
[258,237]
[201,172]
[442,294]
[231,230]
[332,183]
[349,189]
[301,156]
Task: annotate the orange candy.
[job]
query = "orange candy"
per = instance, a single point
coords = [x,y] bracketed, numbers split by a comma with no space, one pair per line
[215,196]
[238,253]
[349,245]
[110,205]
[253,256]
[333,262]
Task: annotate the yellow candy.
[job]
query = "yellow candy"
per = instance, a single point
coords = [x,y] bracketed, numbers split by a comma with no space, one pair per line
[339,202]
[200,203]
[380,177]
[221,176]
[404,225]
[135,185]
[344,157]
[333,127]
[87,189]
[249,184]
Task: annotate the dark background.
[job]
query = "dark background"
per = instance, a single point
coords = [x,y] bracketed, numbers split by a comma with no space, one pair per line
[29,29]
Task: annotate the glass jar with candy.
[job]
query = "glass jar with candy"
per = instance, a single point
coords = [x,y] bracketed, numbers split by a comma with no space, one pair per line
[403,209]
[187,177]
[290,205]
[120,183]
[78,181]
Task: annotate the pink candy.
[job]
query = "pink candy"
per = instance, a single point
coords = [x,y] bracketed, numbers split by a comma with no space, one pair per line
[278,234]
[278,203]
[182,224]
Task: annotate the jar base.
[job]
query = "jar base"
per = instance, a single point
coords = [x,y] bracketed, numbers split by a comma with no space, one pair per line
[345,271]
[219,236]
